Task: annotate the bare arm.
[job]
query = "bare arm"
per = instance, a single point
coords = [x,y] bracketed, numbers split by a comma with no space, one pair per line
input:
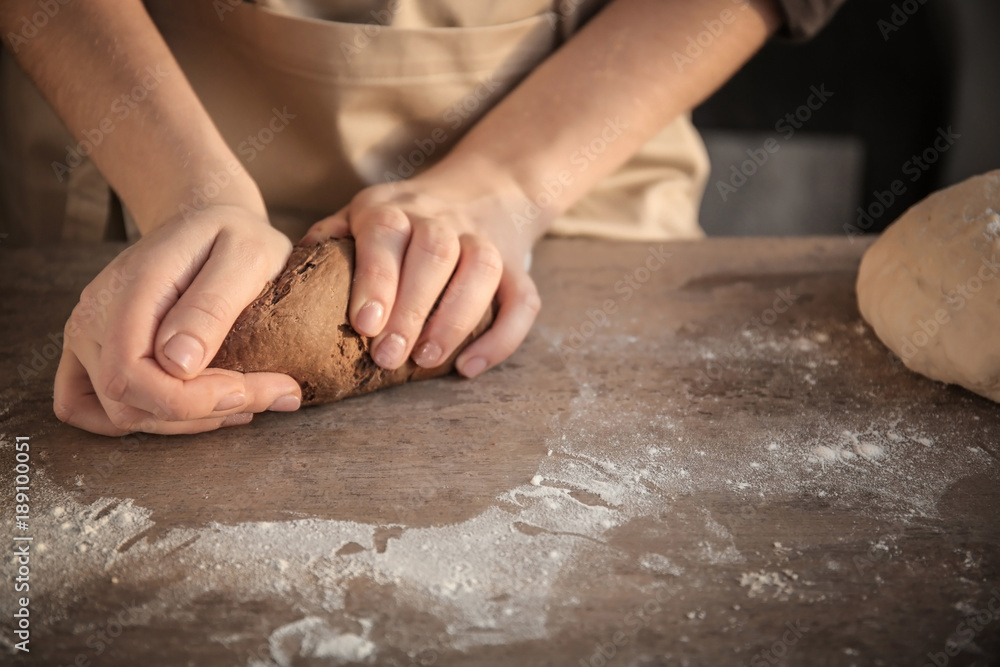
[627,67]
[101,64]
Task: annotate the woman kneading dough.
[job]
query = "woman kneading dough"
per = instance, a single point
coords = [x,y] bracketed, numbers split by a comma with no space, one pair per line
[443,136]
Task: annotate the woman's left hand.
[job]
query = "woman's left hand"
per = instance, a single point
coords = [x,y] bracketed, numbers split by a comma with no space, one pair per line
[425,239]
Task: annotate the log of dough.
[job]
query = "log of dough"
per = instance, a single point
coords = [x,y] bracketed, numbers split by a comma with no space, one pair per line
[298,326]
[930,286]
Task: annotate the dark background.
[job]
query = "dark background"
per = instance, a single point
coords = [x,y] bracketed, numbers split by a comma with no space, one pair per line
[890,97]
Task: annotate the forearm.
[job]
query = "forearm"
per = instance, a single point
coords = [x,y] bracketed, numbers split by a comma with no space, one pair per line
[111,78]
[617,81]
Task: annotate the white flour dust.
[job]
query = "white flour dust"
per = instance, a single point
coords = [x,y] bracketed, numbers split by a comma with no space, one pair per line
[490,579]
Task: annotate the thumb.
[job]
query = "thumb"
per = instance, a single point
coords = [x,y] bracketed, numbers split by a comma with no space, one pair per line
[192,331]
[332,227]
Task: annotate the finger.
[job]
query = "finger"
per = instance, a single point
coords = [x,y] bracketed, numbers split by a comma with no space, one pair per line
[143,386]
[122,382]
[90,415]
[461,308]
[192,331]
[381,237]
[519,305]
[73,398]
[273,392]
[140,383]
[428,266]
[334,227]
[76,404]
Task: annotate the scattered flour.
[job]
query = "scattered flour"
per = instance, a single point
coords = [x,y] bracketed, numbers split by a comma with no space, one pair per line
[491,579]
[660,564]
[311,637]
[774,585]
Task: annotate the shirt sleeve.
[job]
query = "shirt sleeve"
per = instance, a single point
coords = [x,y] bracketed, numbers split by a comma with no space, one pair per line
[805,18]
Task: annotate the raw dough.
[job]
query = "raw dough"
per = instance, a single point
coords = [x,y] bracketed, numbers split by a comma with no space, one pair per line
[298,326]
[930,286]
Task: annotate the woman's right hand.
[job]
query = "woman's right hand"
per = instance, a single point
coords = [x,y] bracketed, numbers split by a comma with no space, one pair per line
[137,344]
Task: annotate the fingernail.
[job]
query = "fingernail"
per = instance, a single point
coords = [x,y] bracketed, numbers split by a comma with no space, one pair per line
[289,403]
[428,355]
[238,419]
[184,351]
[370,317]
[474,367]
[230,402]
[390,352]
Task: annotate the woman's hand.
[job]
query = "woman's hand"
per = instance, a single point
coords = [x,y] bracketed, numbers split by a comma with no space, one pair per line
[424,239]
[137,345]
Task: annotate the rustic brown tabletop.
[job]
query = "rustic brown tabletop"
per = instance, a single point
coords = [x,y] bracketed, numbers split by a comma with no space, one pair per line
[700,456]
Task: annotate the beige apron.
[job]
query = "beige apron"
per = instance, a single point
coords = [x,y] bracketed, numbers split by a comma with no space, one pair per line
[320,99]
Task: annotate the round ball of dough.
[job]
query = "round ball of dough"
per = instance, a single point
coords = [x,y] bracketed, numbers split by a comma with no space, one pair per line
[930,286]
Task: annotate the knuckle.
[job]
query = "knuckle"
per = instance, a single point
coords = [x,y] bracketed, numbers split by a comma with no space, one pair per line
[411,319]
[376,272]
[114,384]
[89,293]
[451,329]
[64,412]
[389,223]
[75,323]
[250,252]
[143,425]
[530,299]
[439,243]
[454,330]
[262,257]
[486,259]
[120,419]
[84,311]
[169,409]
[367,197]
[213,306]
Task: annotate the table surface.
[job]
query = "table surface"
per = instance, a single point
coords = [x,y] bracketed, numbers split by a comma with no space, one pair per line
[700,456]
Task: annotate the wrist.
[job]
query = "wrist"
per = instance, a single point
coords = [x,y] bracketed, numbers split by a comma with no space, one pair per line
[219,183]
[495,197]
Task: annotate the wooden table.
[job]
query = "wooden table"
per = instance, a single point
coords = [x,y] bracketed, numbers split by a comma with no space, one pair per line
[700,456]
